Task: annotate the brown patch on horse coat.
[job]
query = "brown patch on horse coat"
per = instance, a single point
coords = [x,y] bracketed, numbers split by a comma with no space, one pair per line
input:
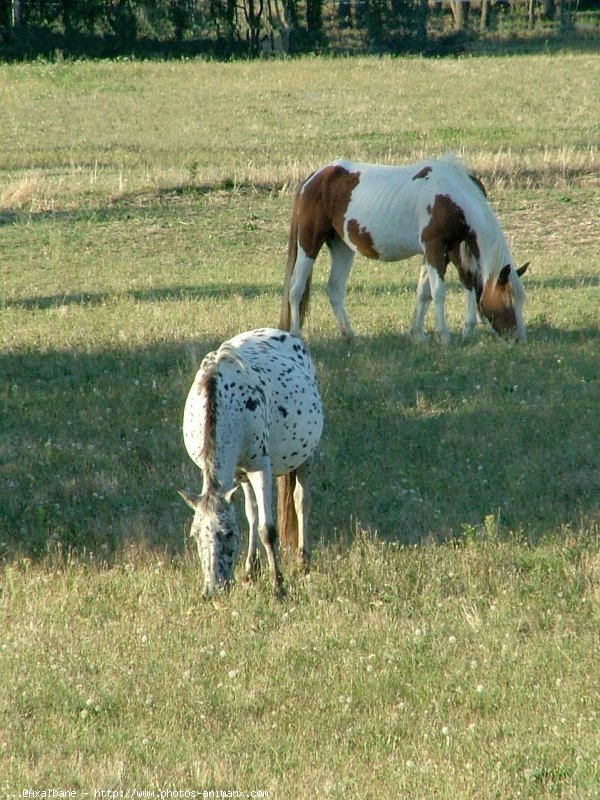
[321,206]
[467,278]
[422,173]
[443,234]
[361,239]
[496,305]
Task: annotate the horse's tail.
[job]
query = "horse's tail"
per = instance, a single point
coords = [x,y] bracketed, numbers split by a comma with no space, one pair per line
[285,320]
[287,519]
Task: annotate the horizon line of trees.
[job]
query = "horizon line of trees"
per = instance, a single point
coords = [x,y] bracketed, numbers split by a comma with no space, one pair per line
[228,28]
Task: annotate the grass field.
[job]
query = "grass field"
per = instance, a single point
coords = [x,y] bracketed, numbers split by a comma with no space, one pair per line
[446,642]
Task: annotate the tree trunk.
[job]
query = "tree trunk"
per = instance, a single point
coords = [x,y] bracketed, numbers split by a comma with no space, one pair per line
[422,23]
[458,14]
[314,17]
[484,16]
[344,13]
[548,8]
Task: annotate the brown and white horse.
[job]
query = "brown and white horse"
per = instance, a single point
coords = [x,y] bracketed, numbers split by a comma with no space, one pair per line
[390,213]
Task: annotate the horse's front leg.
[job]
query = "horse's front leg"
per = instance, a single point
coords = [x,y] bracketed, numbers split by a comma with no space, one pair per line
[252,561]
[342,258]
[438,294]
[470,313]
[302,503]
[262,484]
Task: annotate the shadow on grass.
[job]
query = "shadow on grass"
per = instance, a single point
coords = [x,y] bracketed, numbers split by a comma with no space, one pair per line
[174,293]
[424,441]
[92,452]
[419,442]
[142,203]
[544,332]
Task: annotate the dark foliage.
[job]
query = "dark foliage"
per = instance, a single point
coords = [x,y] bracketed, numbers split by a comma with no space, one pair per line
[251,28]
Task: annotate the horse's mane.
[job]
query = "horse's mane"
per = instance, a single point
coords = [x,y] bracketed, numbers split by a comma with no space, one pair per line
[452,160]
[469,179]
[208,388]
[227,352]
[494,250]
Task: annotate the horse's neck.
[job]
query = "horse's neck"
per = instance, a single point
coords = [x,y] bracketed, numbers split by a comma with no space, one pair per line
[480,217]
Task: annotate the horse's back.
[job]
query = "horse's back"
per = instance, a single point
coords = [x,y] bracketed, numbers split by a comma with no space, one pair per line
[379,184]
[268,399]
[273,354]
[280,369]
[384,208]
[394,203]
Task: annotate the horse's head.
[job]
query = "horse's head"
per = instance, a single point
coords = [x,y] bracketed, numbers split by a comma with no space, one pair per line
[501,302]
[217,536]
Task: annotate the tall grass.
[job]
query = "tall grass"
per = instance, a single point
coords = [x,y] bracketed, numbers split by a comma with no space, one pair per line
[445,642]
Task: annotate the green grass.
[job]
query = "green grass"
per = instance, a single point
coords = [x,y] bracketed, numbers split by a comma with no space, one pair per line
[405,671]
[445,643]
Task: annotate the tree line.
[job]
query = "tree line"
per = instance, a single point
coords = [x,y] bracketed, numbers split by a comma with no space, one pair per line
[229,28]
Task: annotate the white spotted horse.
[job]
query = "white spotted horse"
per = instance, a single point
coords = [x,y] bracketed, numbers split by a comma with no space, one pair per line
[253,412]
[391,213]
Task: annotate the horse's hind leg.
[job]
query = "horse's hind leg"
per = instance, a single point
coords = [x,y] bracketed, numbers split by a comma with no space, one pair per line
[300,277]
[302,502]
[342,258]
[421,305]
[252,560]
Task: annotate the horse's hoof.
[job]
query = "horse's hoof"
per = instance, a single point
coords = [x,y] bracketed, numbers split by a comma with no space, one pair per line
[303,561]
[418,336]
[252,570]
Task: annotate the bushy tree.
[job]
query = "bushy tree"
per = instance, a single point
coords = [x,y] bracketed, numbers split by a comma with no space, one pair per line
[396,25]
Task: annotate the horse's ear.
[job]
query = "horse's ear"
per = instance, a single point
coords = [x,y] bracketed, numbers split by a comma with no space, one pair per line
[191,499]
[522,270]
[503,276]
[229,495]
